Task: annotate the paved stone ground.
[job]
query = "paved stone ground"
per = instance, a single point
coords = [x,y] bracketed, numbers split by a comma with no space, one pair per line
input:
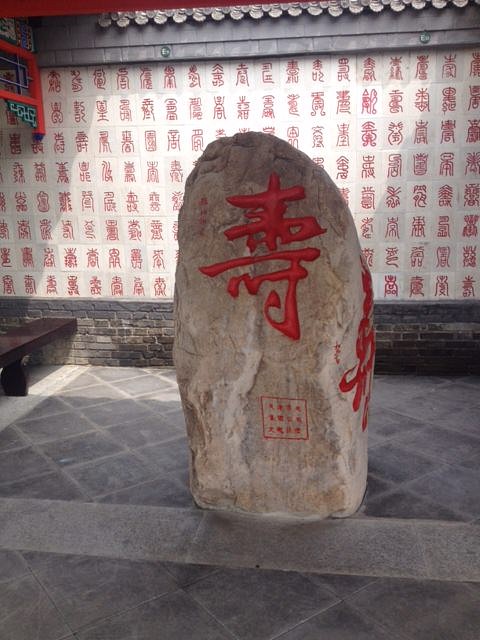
[100,540]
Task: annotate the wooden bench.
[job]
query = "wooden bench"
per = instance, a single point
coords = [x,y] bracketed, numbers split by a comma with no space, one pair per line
[19,342]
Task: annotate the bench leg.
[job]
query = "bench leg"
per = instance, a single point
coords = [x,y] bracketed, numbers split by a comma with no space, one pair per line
[14,379]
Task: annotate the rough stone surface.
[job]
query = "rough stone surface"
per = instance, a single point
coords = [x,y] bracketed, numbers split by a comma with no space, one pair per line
[240,361]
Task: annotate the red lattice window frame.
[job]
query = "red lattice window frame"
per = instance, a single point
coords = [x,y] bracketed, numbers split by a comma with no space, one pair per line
[27,93]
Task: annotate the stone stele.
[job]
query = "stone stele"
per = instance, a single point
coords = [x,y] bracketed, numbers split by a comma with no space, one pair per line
[274,343]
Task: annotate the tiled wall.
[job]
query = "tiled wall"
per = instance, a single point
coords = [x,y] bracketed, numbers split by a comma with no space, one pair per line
[92,210]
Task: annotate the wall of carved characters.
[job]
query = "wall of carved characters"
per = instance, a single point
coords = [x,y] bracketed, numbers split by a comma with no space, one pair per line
[91,211]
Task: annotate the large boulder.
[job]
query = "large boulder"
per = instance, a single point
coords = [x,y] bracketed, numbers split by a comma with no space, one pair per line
[274,338]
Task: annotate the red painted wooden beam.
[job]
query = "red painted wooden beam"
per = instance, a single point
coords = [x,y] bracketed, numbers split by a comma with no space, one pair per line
[31,8]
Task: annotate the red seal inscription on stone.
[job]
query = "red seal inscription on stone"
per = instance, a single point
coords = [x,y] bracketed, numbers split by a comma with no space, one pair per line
[284,418]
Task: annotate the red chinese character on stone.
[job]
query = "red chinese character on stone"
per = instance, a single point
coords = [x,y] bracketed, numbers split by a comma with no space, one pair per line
[317,71]
[343,135]
[471,195]
[343,71]
[395,102]
[70,258]
[447,128]
[5,257]
[269,227]
[369,70]
[125,110]
[369,101]
[418,227]
[441,286]
[474,101]
[468,290]
[156,230]
[417,256]
[392,229]
[8,286]
[416,286]
[421,132]
[111,230]
[77,81]
[473,131]
[27,257]
[359,377]
[368,255]
[367,198]
[420,196]
[391,286]
[45,229]
[138,288]
[469,256]
[445,195]
[369,134]
[342,167]
[421,72]
[366,228]
[123,81]
[394,169]
[470,229]
[317,137]
[29,285]
[443,257]
[443,229]
[4,230]
[472,163]
[343,101]
[40,172]
[160,287]
[169,80]
[116,286]
[395,133]
[92,259]
[392,199]
[136,259]
[95,285]
[242,75]
[51,286]
[422,100]
[21,204]
[99,78]
[48,258]
[449,67]
[146,78]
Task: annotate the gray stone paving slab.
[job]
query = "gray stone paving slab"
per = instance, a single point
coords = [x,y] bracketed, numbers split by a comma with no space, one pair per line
[61,425]
[91,529]
[89,396]
[340,622]
[21,463]
[80,449]
[111,474]
[26,612]
[49,486]
[87,589]
[402,503]
[176,616]
[261,604]
[451,551]
[142,432]
[160,492]
[452,487]
[12,565]
[45,381]
[361,546]
[10,438]
[422,610]
[394,463]
[116,412]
